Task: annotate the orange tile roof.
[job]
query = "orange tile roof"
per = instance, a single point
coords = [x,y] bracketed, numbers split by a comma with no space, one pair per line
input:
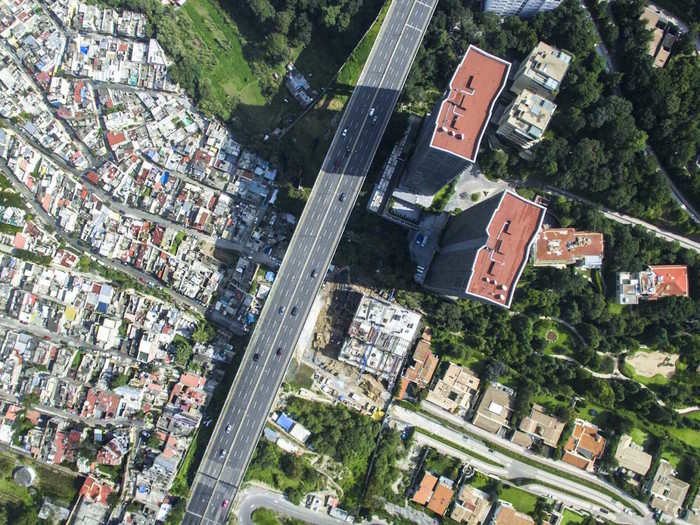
[671,280]
[499,263]
[422,495]
[441,499]
[464,113]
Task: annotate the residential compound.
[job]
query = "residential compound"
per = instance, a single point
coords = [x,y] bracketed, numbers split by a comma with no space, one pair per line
[539,426]
[435,493]
[653,283]
[523,9]
[667,491]
[451,135]
[536,84]
[471,507]
[380,337]
[561,247]
[420,373]
[495,408]
[483,250]
[456,390]
[631,456]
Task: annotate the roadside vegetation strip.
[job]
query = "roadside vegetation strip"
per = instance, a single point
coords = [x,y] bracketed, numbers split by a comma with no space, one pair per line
[526,482]
[458,447]
[528,461]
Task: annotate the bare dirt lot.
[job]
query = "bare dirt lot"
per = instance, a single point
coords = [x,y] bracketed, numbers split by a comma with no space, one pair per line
[649,364]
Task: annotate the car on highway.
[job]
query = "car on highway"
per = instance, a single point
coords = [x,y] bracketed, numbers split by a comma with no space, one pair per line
[222,453]
[341,198]
[281,310]
[256,356]
[294,310]
[371,112]
[224,504]
[228,428]
[345,132]
[314,273]
[278,352]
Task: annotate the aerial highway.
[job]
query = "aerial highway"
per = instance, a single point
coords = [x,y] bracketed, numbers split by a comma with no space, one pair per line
[303,269]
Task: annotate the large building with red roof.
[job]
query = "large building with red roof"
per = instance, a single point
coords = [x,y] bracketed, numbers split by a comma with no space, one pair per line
[484,249]
[452,132]
[668,280]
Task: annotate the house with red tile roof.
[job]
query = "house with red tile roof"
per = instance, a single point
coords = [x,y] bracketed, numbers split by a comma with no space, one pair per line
[434,492]
[585,446]
[670,280]
[96,491]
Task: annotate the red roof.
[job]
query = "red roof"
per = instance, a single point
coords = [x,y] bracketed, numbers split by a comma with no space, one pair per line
[499,263]
[566,245]
[671,280]
[465,112]
[115,138]
[94,491]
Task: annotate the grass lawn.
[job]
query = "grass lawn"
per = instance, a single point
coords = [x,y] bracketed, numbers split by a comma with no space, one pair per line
[557,337]
[59,487]
[614,308]
[670,456]
[569,517]
[638,436]
[521,500]
[265,517]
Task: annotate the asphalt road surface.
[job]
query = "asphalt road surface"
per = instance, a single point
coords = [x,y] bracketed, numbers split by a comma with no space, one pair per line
[310,252]
[254,498]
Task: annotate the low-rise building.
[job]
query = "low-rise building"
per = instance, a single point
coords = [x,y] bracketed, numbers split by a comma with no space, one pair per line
[526,119]
[471,507]
[435,492]
[654,283]
[455,391]
[631,456]
[585,446]
[505,514]
[495,409]
[560,247]
[662,35]
[539,426]
[667,491]
[420,373]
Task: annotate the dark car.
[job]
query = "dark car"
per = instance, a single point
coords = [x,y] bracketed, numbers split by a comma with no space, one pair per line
[281,310]
[342,197]
[278,352]
[294,310]
[256,357]
[222,453]
[314,273]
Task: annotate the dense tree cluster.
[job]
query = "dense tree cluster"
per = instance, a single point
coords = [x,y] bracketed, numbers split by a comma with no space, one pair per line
[666,100]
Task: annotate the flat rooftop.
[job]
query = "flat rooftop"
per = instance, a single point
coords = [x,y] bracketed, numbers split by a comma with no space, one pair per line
[465,112]
[566,245]
[499,263]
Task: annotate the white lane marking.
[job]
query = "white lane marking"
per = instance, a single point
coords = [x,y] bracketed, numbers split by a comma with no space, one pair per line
[414,27]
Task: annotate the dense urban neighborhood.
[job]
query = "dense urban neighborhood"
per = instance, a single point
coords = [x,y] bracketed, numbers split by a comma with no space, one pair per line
[379,262]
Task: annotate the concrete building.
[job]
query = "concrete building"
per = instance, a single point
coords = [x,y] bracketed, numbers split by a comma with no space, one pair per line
[471,507]
[484,249]
[652,284]
[495,409]
[585,446]
[632,457]
[526,119]
[521,8]
[667,491]
[451,134]
[539,426]
[455,391]
[560,247]
[542,72]
[379,337]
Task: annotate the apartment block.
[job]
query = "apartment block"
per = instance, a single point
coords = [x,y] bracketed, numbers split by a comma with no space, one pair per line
[560,247]
[455,391]
[543,71]
[526,119]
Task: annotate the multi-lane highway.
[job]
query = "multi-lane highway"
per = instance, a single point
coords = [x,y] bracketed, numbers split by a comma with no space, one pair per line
[304,266]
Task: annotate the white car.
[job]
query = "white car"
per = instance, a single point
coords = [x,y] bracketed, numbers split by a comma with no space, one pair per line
[345,132]
[371,112]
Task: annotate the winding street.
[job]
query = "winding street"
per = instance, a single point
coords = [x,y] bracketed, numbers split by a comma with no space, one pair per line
[254,497]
